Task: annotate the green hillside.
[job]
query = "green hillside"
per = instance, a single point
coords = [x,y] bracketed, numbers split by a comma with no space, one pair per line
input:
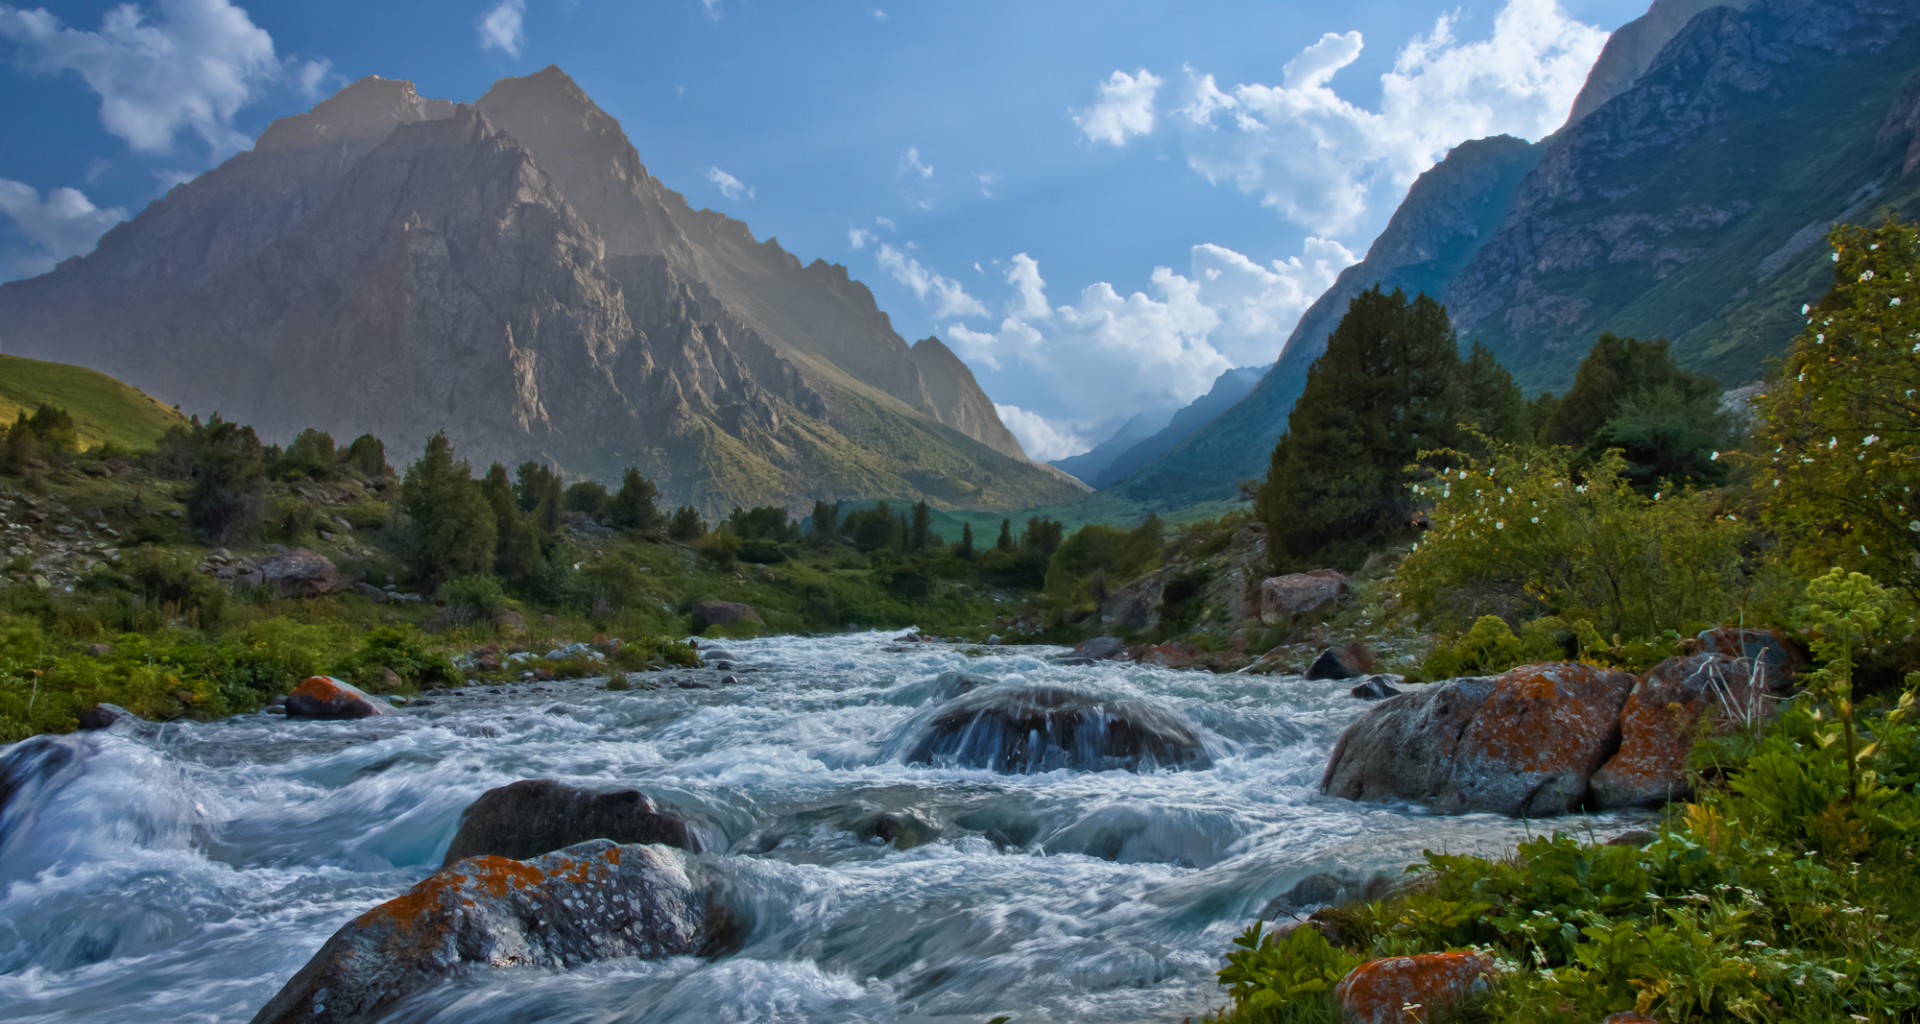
[105,410]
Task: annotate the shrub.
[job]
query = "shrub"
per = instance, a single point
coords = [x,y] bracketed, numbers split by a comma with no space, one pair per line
[399,649]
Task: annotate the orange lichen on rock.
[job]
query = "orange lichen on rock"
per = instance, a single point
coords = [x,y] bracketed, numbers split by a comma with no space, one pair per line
[1399,989]
[1542,731]
[1661,719]
[327,697]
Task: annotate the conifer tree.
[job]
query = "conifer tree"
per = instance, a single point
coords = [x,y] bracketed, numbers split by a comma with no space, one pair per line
[635,506]
[452,528]
[920,535]
[1005,543]
[965,550]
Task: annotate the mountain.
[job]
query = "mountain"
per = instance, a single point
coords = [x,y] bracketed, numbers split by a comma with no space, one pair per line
[509,271]
[1091,465]
[1687,199]
[1228,389]
[104,410]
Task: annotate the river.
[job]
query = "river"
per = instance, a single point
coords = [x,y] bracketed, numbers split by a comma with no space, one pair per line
[186,876]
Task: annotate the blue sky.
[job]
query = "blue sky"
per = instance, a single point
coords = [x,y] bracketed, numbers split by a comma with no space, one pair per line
[1099,205]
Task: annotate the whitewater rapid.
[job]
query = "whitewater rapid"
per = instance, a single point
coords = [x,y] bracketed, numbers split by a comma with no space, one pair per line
[186,875]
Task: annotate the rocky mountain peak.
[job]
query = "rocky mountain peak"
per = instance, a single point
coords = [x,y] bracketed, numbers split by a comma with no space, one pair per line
[363,113]
[1632,48]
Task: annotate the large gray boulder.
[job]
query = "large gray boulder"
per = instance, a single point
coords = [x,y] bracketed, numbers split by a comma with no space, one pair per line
[1523,743]
[535,816]
[302,573]
[1028,729]
[590,902]
[1301,593]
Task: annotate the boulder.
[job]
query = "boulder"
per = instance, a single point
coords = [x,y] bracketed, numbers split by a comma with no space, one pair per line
[1302,593]
[1137,605]
[1376,688]
[1029,729]
[535,816]
[1347,661]
[591,902]
[1524,743]
[1326,890]
[1662,717]
[371,592]
[1401,989]
[1770,650]
[1170,655]
[302,573]
[327,697]
[102,716]
[1100,648]
[722,613]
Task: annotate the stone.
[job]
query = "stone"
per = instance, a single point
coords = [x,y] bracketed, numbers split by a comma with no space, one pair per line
[302,573]
[103,716]
[528,818]
[371,592]
[1779,657]
[722,613]
[327,697]
[1030,729]
[1100,648]
[1170,655]
[1662,717]
[1633,837]
[1285,597]
[1347,661]
[590,902]
[1376,688]
[1326,890]
[99,650]
[1405,989]
[1137,605]
[1523,743]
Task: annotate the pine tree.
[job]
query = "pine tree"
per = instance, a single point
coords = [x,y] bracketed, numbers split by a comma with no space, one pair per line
[636,505]
[965,550]
[920,536]
[1005,543]
[686,524]
[452,528]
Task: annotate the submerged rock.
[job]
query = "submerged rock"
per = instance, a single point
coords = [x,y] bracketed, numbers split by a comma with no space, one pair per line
[1100,648]
[32,767]
[590,902]
[327,697]
[1029,729]
[1661,720]
[1523,743]
[1377,688]
[528,818]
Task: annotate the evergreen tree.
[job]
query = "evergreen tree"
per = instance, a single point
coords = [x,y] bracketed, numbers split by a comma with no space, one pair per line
[1388,387]
[1005,542]
[1043,538]
[368,456]
[920,535]
[686,524]
[310,456]
[826,522]
[1492,404]
[229,481]
[636,505]
[1633,395]
[965,550]
[452,528]
[590,498]
[535,484]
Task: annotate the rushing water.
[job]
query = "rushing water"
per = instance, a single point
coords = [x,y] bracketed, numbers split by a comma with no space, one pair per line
[186,876]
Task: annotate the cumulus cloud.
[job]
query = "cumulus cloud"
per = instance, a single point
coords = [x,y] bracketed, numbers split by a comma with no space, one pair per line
[65,223]
[711,8]
[910,163]
[1125,108]
[879,15]
[859,237]
[188,66]
[943,296]
[730,186]
[503,27]
[312,78]
[1040,437]
[885,222]
[1327,164]
[1105,356]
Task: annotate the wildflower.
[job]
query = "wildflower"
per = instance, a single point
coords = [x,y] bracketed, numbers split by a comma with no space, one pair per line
[1715,457]
[1500,525]
[1895,301]
[1804,308]
[1866,275]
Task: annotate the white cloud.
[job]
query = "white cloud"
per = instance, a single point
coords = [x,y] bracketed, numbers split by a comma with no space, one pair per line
[311,78]
[65,223]
[910,163]
[1334,167]
[879,15]
[1042,440]
[987,180]
[711,8]
[859,237]
[190,66]
[1104,353]
[729,186]
[886,222]
[503,27]
[1125,108]
[943,296]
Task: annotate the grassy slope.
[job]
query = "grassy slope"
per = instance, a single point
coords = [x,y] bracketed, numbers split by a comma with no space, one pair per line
[105,410]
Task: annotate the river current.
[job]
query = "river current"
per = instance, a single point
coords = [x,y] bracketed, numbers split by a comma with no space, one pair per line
[185,876]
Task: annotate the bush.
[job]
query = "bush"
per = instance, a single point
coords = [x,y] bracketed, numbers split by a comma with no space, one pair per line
[396,648]
[474,598]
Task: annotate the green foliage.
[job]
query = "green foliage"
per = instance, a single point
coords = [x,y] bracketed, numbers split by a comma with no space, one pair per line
[1290,980]
[367,455]
[98,409]
[588,497]
[310,456]
[1520,536]
[636,506]
[965,548]
[1487,648]
[1839,428]
[1632,395]
[228,467]
[766,523]
[475,598]
[1096,554]
[686,524]
[1390,385]
[451,528]
[400,650]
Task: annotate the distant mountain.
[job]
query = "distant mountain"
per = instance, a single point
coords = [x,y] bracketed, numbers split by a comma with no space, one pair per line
[1688,198]
[1228,389]
[1092,464]
[510,272]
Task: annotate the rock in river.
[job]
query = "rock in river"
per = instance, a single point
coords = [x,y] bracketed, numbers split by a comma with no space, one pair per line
[327,697]
[1522,743]
[535,816]
[594,901]
[1028,729]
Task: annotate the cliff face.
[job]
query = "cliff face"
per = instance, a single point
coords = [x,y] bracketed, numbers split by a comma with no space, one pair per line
[1687,199]
[395,265]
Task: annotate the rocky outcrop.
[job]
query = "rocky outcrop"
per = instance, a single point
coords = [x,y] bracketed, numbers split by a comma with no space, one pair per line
[1662,718]
[1525,742]
[1398,989]
[722,613]
[1631,50]
[327,697]
[301,573]
[535,816]
[1030,729]
[586,903]
[1303,593]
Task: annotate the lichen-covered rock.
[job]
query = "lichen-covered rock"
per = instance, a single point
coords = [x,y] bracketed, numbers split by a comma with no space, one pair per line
[327,697]
[1028,729]
[1771,651]
[1403,989]
[1660,720]
[1523,743]
[1347,661]
[535,816]
[1301,593]
[595,901]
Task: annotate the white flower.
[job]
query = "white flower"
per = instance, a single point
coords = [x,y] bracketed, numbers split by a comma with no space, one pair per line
[1804,308]
[1866,275]
[1914,525]
[1536,519]
[1836,257]
[1715,457]
[1500,525]
[1870,439]
[1656,495]
[1895,301]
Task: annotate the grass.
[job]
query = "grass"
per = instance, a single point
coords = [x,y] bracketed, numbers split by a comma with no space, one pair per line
[104,410]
